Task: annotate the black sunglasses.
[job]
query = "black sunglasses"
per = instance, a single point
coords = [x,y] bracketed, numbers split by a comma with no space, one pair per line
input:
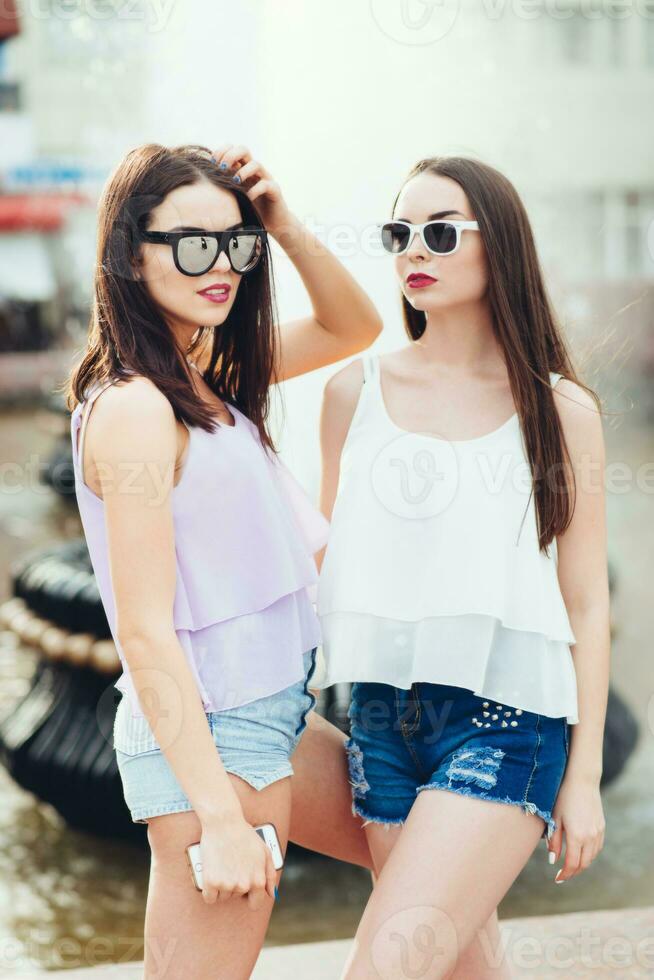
[194,252]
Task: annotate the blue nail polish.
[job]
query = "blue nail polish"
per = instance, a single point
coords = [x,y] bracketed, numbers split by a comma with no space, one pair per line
[223,166]
[276,892]
[236,179]
[213,159]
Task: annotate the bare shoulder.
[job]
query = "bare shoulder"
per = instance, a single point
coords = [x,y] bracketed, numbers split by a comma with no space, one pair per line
[344,387]
[130,417]
[579,413]
[137,397]
[573,401]
[340,399]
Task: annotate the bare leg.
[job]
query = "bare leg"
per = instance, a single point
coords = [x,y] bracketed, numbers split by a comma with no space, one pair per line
[477,959]
[382,838]
[185,937]
[454,860]
[321,813]
[482,958]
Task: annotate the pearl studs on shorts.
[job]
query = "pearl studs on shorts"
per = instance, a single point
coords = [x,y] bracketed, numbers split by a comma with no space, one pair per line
[493,715]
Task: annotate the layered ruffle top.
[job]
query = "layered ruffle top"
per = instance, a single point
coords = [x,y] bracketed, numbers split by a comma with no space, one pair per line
[245,535]
[432,570]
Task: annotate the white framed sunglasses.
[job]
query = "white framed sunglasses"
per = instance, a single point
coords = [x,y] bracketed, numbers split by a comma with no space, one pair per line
[439,237]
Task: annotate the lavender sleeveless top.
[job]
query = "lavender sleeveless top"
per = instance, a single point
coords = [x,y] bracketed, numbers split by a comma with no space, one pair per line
[245,535]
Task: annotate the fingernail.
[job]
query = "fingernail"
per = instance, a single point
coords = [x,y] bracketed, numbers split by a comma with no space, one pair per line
[213,159]
[223,166]
[276,892]
[559,881]
[551,857]
[236,179]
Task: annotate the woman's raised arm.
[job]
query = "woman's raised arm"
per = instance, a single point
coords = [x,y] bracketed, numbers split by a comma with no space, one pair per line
[344,320]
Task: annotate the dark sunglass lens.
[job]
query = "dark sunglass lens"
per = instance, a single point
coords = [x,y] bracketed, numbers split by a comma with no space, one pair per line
[440,237]
[244,250]
[395,237]
[195,253]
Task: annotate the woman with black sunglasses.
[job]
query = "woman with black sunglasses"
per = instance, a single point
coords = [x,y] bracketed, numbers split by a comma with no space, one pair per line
[202,543]
[451,467]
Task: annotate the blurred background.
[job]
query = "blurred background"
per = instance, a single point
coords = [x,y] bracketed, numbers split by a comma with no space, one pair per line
[338,100]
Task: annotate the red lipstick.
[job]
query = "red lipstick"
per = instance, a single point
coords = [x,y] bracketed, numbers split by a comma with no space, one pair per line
[417,280]
[217,292]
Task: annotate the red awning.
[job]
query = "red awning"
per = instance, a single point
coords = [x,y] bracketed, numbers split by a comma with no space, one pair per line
[35,212]
[9,25]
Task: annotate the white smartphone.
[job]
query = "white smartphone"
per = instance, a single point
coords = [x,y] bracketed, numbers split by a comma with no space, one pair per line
[267,833]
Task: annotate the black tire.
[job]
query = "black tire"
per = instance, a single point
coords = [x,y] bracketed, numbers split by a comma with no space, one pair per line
[58,584]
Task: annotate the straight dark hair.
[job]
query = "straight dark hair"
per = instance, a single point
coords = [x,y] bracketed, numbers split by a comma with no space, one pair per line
[127,331]
[526,329]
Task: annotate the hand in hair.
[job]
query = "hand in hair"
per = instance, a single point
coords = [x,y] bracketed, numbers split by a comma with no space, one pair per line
[257,183]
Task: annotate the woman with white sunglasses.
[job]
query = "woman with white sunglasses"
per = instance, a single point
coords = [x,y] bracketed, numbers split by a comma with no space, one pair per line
[467,554]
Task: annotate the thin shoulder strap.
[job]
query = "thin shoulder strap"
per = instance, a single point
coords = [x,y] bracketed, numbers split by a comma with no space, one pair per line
[554,378]
[84,413]
[370,366]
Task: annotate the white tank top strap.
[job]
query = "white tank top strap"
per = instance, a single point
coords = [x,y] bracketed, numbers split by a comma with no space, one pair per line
[370,366]
[554,378]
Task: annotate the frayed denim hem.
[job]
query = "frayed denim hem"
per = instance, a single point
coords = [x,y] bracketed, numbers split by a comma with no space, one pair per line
[385,822]
[550,823]
[358,781]
[360,786]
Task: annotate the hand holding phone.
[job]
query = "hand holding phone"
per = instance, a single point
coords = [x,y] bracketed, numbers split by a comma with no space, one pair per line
[267,833]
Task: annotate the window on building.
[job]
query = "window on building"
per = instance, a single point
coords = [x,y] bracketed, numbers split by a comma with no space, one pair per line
[608,234]
[575,38]
[648,33]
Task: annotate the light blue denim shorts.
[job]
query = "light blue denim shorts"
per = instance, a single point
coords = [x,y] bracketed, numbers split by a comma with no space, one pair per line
[255,741]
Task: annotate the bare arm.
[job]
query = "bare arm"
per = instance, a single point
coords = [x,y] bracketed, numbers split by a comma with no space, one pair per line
[134,446]
[583,576]
[344,320]
[340,399]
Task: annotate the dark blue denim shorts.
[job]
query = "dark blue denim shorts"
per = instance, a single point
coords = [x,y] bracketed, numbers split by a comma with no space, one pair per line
[437,736]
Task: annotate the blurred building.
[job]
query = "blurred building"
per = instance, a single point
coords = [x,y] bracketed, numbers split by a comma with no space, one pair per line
[57,144]
[339,100]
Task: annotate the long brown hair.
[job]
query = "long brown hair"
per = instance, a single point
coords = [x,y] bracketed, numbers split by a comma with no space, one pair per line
[525,326]
[127,331]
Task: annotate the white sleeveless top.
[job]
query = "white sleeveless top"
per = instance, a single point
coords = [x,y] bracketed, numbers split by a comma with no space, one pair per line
[432,570]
